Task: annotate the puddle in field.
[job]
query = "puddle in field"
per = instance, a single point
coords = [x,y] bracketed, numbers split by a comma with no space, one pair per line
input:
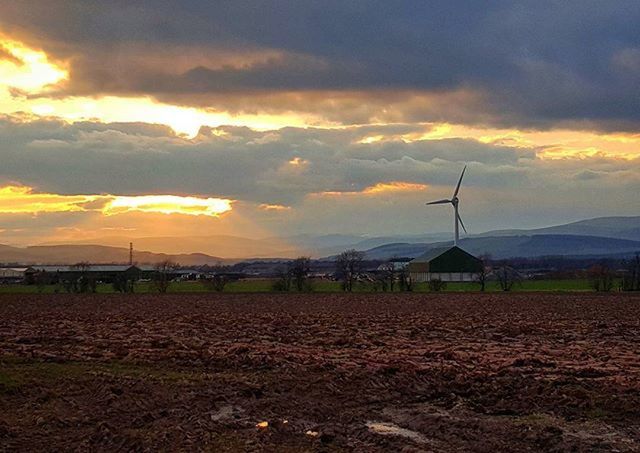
[391,429]
[226,413]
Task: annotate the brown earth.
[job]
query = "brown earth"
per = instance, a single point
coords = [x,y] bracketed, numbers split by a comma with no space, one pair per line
[328,372]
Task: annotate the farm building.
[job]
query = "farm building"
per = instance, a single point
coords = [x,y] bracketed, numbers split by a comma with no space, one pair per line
[396,264]
[104,273]
[12,274]
[449,264]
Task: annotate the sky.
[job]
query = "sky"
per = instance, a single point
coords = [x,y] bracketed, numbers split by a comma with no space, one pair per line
[260,119]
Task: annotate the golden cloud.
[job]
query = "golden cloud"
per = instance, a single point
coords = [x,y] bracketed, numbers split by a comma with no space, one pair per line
[27,69]
[28,77]
[23,199]
[380,188]
[274,207]
[168,204]
[31,73]
[550,144]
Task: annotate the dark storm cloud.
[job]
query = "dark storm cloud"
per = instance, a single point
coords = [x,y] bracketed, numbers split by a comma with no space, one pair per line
[535,63]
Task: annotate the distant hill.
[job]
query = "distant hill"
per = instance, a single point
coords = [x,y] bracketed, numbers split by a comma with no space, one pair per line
[236,247]
[604,231]
[500,247]
[609,227]
[97,254]
[231,247]
[334,243]
[535,242]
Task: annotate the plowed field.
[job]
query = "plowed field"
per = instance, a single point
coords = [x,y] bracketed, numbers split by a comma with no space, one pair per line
[326,372]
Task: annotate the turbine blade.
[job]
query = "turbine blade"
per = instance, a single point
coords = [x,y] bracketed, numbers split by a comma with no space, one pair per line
[461,223]
[455,194]
[439,202]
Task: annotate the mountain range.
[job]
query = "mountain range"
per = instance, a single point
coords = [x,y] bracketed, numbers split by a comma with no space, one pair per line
[603,236]
[69,254]
[501,247]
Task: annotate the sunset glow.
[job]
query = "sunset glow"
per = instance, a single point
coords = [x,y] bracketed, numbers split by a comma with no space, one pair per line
[21,199]
[551,144]
[30,70]
[213,119]
[378,189]
[168,204]
[27,69]
[274,207]
[394,186]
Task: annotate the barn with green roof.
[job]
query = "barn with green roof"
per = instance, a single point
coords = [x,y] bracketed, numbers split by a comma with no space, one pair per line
[449,264]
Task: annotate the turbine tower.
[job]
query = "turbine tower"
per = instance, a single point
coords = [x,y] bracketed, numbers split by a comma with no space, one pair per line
[457,221]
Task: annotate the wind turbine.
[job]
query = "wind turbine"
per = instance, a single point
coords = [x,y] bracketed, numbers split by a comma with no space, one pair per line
[454,201]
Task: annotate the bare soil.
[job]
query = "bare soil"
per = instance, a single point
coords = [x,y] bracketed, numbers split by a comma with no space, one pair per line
[327,372]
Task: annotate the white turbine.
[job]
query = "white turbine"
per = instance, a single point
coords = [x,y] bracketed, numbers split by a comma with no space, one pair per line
[454,201]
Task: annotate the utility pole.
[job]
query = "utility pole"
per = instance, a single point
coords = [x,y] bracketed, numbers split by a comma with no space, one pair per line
[130,253]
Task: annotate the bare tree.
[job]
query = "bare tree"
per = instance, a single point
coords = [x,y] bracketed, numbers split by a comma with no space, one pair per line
[300,269]
[348,265]
[631,281]
[283,282]
[404,279]
[385,277]
[219,279]
[162,275]
[83,282]
[123,283]
[217,282]
[483,273]
[507,276]
[600,277]
[41,279]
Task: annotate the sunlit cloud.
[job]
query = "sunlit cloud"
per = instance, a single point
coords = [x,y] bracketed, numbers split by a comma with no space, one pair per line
[395,186]
[21,199]
[112,109]
[27,69]
[274,207]
[31,73]
[549,144]
[168,204]
[27,77]
[297,161]
[377,189]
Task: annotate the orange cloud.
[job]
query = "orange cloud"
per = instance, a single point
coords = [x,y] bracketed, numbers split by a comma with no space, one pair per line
[274,207]
[550,144]
[378,189]
[30,71]
[22,199]
[297,161]
[25,70]
[394,186]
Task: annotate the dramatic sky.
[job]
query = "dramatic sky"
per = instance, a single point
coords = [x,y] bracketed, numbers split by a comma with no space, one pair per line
[253,118]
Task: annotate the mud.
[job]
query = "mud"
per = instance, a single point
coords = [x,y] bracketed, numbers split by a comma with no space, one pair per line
[327,372]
